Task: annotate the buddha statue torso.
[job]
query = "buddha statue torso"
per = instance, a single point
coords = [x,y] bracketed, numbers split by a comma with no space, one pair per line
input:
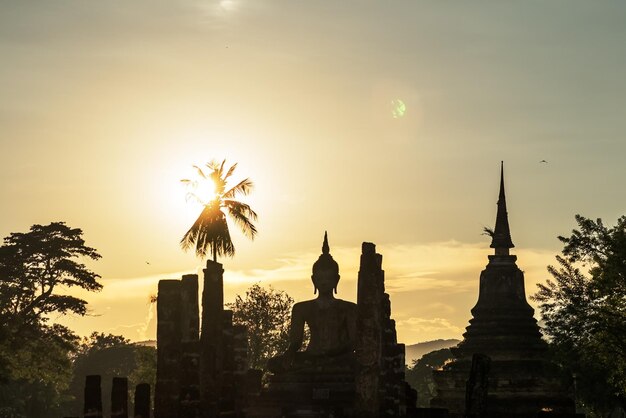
[331,323]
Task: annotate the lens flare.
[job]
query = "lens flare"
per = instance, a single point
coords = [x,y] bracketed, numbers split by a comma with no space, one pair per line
[398,108]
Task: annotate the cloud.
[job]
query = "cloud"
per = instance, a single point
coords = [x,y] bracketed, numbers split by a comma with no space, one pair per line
[428,328]
[432,287]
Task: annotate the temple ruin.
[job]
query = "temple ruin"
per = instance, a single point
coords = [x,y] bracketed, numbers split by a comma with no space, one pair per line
[353,365]
[511,376]
[360,373]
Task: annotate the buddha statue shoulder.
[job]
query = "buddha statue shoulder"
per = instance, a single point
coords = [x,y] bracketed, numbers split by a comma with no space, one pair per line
[331,321]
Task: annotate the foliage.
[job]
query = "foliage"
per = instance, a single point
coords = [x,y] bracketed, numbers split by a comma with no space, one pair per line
[109,356]
[35,265]
[420,375]
[39,370]
[35,356]
[585,313]
[266,314]
[210,230]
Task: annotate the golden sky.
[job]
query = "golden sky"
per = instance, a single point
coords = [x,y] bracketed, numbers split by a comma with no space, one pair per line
[106,105]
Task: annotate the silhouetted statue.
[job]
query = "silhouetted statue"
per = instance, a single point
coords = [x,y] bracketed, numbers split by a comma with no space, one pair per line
[331,321]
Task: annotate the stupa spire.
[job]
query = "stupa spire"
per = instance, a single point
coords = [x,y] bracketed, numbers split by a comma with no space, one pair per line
[325,247]
[501,239]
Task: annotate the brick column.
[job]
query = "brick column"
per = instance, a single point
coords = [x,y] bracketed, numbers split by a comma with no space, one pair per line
[211,338]
[119,398]
[93,397]
[369,333]
[142,401]
[167,391]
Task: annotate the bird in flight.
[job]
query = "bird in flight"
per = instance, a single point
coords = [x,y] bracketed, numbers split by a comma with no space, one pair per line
[147,263]
[543,161]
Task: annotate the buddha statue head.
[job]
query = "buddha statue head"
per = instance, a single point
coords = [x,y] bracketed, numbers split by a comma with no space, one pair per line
[325,270]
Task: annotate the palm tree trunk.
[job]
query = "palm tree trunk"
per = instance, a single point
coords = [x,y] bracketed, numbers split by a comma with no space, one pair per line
[214,253]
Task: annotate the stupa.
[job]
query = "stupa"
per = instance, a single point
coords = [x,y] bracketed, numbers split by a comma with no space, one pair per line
[521,381]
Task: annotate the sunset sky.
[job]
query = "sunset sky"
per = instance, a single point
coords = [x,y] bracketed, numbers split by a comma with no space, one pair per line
[106,105]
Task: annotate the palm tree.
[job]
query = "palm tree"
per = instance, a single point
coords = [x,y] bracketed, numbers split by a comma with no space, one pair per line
[210,230]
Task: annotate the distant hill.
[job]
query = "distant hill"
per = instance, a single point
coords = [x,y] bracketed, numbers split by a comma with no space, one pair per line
[147,343]
[415,351]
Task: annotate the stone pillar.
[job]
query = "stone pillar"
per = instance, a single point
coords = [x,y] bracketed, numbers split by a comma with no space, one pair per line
[189,314]
[369,333]
[190,348]
[211,338]
[167,391]
[119,398]
[240,363]
[93,397]
[227,376]
[392,362]
[142,401]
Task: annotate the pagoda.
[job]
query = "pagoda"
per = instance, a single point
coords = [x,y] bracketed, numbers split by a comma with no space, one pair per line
[520,380]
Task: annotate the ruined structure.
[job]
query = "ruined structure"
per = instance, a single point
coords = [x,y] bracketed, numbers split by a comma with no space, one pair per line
[199,375]
[142,401]
[352,367]
[380,387]
[93,397]
[521,382]
[167,390]
[119,398]
[92,407]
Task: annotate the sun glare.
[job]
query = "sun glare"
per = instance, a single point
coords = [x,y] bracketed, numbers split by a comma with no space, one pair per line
[228,5]
[200,190]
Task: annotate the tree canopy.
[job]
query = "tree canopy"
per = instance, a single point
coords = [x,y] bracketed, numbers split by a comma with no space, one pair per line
[420,375]
[585,311]
[266,313]
[210,230]
[109,356]
[35,266]
[35,355]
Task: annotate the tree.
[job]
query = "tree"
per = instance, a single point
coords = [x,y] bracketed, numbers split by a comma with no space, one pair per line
[266,314]
[35,265]
[585,313]
[210,230]
[420,375]
[35,366]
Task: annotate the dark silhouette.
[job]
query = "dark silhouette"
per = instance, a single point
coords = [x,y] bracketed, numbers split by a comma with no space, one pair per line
[36,269]
[477,387]
[210,231]
[585,312]
[108,356]
[265,313]
[332,322]
[35,266]
[522,379]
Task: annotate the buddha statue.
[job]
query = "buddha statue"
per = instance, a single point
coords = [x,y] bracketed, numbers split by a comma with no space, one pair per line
[331,321]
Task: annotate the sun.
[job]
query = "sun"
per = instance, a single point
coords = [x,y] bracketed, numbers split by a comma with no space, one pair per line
[200,189]
[228,5]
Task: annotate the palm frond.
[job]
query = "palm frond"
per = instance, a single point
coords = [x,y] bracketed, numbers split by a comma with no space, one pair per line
[200,172]
[191,195]
[243,215]
[209,231]
[243,187]
[487,231]
[230,171]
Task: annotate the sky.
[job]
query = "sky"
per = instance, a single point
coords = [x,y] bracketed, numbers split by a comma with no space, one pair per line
[378,121]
